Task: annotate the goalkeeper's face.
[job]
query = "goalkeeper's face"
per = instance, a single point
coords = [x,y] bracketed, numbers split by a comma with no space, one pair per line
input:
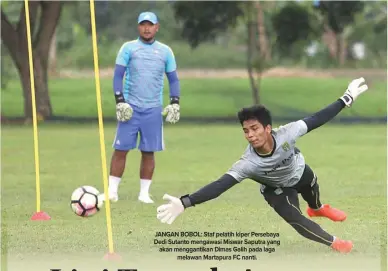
[256,134]
[147,30]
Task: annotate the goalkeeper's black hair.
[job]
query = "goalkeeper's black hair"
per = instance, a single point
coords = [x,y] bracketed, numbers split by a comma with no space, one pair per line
[255,112]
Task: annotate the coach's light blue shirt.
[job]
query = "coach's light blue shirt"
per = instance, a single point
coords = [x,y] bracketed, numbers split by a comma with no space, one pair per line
[146,64]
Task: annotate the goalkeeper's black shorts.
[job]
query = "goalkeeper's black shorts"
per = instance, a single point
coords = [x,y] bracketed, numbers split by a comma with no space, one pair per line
[285,202]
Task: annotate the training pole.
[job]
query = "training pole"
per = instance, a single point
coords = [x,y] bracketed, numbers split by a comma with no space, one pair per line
[111,255]
[39,214]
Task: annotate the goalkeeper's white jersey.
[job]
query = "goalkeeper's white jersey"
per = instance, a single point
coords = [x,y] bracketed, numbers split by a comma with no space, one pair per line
[282,168]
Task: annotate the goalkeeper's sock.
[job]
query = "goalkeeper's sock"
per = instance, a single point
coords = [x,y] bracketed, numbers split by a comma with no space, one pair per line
[114,184]
[145,186]
[318,208]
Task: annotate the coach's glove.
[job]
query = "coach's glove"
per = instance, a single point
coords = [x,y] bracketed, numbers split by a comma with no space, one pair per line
[355,88]
[167,213]
[123,110]
[172,111]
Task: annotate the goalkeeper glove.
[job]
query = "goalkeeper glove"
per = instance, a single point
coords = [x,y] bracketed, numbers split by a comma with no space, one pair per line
[172,111]
[167,213]
[355,88]
[123,110]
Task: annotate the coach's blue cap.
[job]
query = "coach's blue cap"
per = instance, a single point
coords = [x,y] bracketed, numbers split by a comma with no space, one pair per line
[147,16]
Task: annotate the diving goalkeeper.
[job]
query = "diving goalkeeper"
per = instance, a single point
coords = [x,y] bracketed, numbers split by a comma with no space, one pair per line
[272,160]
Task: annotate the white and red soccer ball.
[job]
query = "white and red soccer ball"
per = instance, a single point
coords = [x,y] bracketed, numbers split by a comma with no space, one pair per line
[86,201]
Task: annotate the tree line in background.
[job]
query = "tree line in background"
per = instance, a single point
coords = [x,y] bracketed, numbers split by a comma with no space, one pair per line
[284,29]
[269,32]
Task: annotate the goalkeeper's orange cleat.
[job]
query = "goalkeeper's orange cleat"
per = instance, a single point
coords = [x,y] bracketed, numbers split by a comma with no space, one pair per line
[327,211]
[342,245]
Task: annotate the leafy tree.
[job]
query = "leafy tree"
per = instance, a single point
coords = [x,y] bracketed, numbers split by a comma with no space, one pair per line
[292,24]
[370,28]
[44,18]
[203,21]
[340,13]
[114,22]
[259,52]
[339,16]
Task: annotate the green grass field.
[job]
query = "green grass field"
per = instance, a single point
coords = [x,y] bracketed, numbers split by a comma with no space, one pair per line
[350,162]
[210,97]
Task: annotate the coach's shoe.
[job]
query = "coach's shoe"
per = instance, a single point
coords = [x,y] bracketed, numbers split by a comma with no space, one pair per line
[327,211]
[342,246]
[145,198]
[114,197]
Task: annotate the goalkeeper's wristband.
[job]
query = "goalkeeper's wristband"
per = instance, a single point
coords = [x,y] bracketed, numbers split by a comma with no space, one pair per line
[347,99]
[119,97]
[174,100]
[186,202]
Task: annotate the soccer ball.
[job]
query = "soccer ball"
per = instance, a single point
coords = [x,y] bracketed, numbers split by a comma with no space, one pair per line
[86,201]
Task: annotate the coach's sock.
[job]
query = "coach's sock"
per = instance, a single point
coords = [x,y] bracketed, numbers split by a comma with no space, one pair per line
[114,183]
[145,186]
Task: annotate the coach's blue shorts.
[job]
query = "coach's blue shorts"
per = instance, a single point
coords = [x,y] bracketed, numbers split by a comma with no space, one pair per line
[146,124]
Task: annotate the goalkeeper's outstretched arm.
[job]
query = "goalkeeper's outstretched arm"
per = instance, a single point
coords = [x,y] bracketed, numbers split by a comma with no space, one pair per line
[325,115]
[210,191]
[167,213]
[355,88]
